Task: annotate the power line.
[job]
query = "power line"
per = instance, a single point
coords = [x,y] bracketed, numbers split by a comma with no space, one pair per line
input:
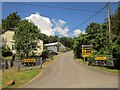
[71,9]
[58,7]
[90,17]
[94,15]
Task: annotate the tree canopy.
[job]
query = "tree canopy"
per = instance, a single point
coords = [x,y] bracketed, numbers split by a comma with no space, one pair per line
[98,35]
[66,41]
[10,21]
[26,37]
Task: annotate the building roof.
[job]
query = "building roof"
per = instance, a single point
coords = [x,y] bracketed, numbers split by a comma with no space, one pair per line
[51,44]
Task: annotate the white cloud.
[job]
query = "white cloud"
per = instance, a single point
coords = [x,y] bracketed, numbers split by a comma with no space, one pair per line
[60,27]
[62,22]
[43,23]
[84,32]
[77,32]
[48,26]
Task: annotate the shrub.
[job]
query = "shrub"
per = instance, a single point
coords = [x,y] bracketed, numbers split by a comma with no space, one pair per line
[45,54]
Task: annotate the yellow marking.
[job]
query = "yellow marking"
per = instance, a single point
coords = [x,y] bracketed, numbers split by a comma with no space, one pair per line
[100,58]
[28,60]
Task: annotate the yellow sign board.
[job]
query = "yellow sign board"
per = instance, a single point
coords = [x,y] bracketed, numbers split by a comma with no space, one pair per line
[100,58]
[86,53]
[28,60]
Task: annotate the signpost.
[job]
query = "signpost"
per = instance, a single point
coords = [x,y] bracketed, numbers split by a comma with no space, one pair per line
[86,51]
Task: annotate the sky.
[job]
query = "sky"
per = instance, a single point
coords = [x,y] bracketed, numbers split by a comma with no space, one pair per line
[52,18]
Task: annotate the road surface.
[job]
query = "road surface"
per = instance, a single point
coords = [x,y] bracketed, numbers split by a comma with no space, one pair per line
[65,72]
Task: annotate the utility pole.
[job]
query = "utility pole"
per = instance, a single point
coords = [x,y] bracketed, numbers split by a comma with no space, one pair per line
[109,24]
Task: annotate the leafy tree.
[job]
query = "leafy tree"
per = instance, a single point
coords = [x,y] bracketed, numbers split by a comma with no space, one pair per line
[6,51]
[45,54]
[26,37]
[66,41]
[115,23]
[48,39]
[77,47]
[0,29]
[10,21]
[53,39]
[44,38]
[96,36]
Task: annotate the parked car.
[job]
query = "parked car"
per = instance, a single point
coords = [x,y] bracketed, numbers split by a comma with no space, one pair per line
[52,52]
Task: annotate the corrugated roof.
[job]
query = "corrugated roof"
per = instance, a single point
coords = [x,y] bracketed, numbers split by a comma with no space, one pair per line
[51,44]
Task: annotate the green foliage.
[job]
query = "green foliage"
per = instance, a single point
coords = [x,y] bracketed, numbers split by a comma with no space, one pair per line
[97,35]
[68,49]
[1,30]
[26,37]
[115,23]
[10,21]
[48,39]
[78,42]
[45,54]
[116,51]
[20,77]
[66,41]
[53,39]
[5,49]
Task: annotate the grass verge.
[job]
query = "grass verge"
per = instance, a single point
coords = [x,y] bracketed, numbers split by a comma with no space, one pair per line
[22,77]
[114,71]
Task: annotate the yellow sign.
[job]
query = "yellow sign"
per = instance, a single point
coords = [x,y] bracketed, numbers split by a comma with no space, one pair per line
[86,53]
[100,58]
[28,60]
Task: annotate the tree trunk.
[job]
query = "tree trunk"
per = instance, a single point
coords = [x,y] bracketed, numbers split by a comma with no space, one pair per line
[6,64]
[11,62]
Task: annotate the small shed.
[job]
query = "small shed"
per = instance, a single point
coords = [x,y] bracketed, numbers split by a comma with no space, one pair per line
[56,47]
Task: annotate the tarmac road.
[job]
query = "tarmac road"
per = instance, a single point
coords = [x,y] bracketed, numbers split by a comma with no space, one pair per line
[66,72]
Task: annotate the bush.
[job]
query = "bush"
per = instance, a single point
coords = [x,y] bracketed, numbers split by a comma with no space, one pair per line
[45,54]
[68,49]
[6,51]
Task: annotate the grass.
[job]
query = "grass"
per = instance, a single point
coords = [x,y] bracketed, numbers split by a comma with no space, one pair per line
[114,71]
[7,58]
[21,77]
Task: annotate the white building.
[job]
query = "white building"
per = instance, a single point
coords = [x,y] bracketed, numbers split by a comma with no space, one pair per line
[8,37]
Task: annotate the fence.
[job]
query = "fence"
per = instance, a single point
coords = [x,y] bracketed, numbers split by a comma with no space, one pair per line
[17,64]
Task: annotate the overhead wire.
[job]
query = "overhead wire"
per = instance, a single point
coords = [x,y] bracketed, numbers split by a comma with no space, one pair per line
[90,17]
[57,7]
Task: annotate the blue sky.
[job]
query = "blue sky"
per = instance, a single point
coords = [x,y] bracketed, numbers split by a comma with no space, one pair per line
[72,18]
